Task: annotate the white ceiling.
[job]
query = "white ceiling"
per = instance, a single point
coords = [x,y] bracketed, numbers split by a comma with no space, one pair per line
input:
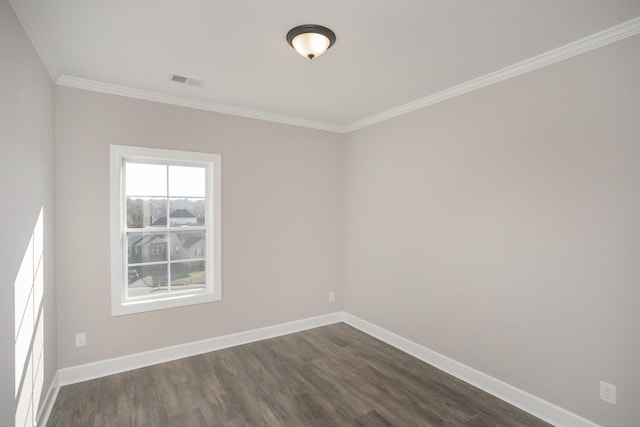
[388,54]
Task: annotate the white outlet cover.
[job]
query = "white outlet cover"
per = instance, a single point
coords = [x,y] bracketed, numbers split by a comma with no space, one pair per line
[81,339]
[608,392]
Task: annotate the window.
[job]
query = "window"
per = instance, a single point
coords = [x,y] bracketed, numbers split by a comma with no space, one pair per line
[165,229]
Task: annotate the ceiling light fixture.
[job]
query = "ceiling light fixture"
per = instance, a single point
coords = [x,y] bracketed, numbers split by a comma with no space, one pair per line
[311,41]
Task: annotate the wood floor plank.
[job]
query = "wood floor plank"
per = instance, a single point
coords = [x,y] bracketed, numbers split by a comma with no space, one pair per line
[192,418]
[329,376]
[371,419]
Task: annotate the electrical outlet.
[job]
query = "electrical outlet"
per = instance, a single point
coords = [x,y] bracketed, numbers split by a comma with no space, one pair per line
[81,339]
[608,392]
[332,296]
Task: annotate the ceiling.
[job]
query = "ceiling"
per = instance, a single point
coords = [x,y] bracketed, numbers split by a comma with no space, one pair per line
[390,56]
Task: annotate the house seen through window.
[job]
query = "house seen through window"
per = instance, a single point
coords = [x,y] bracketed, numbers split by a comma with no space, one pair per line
[169,221]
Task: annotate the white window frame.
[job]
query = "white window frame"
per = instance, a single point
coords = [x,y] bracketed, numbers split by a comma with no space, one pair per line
[120,305]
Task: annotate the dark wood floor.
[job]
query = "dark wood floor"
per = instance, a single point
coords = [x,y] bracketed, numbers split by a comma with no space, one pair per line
[329,376]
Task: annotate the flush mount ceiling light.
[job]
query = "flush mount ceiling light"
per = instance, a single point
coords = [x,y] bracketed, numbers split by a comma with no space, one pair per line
[311,41]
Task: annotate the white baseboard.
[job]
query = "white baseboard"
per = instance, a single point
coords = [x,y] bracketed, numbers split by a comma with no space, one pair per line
[537,407]
[49,399]
[89,371]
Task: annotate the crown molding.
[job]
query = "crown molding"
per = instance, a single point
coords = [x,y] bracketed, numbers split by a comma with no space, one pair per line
[594,41]
[32,27]
[181,101]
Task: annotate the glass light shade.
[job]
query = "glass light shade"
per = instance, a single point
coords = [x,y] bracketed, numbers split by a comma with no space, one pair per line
[311,45]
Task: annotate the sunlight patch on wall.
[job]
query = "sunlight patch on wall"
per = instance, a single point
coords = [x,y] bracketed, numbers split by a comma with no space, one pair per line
[29,328]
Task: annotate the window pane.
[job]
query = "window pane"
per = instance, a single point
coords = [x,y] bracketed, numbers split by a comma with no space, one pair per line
[145,180]
[146,247]
[145,212]
[186,181]
[187,275]
[187,245]
[147,280]
[186,212]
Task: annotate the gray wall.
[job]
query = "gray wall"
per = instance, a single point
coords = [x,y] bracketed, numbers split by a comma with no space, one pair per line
[502,229]
[281,222]
[26,182]
[499,228]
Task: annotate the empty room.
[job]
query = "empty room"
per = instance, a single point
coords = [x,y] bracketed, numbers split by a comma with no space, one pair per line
[363,213]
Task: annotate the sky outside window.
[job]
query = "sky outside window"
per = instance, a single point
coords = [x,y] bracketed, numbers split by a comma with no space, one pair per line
[151,180]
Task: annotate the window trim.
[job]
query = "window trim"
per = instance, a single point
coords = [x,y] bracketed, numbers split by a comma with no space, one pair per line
[118,249]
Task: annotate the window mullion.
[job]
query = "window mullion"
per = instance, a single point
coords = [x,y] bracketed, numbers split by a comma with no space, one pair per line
[139,264]
[168,254]
[159,230]
[123,231]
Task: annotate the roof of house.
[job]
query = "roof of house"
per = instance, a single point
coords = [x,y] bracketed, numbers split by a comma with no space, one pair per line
[160,221]
[191,240]
[182,213]
[147,239]
[178,213]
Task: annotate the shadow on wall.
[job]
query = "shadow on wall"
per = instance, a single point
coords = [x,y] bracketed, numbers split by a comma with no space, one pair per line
[29,328]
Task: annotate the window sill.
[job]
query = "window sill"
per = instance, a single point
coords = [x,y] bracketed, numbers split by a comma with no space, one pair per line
[173,301]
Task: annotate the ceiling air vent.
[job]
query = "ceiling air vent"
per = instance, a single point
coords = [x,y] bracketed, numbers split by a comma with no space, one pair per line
[186,80]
